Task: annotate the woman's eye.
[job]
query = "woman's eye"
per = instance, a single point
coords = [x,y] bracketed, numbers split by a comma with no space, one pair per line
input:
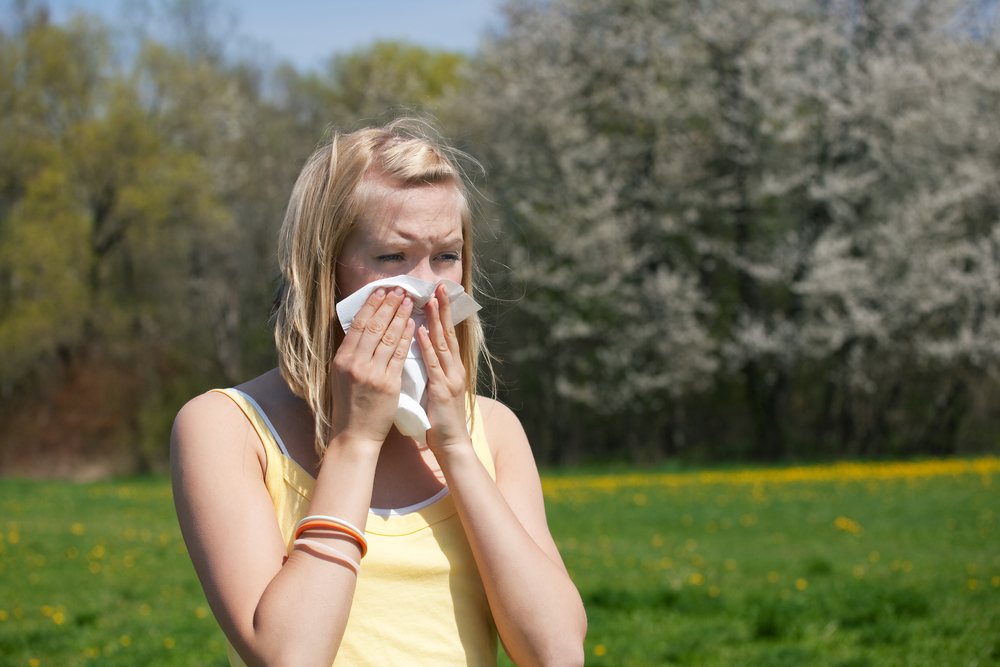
[390,258]
[451,257]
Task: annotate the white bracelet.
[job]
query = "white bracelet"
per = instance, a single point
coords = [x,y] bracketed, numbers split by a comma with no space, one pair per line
[332,519]
[330,551]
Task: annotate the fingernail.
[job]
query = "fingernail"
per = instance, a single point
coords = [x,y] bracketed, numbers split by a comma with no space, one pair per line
[380,292]
[399,291]
[407,301]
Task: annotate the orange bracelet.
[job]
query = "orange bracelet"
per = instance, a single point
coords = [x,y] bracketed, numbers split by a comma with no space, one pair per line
[337,527]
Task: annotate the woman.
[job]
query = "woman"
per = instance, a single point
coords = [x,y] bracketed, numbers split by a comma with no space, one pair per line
[458,547]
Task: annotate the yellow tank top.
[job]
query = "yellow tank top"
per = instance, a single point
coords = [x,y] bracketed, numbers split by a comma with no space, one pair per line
[420,599]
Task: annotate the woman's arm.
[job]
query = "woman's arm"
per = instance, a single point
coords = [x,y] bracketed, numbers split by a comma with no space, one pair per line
[277,611]
[537,608]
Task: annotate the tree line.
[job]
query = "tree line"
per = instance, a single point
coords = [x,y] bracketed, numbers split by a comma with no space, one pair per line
[765,229]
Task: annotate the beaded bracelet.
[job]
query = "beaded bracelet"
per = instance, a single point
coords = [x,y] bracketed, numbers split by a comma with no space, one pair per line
[331,552]
[332,523]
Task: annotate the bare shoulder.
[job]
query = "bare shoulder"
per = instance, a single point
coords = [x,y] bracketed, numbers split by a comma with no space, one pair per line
[502,427]
[497,415]
[209,428]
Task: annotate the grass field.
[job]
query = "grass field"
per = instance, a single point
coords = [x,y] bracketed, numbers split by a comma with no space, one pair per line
[842,565]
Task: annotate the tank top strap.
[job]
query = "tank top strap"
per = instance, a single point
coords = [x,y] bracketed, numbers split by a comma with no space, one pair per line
[480,443]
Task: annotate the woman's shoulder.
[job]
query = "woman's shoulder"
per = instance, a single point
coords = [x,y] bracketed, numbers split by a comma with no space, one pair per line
[502,428]
[495,414]
[203,410]
[212,425]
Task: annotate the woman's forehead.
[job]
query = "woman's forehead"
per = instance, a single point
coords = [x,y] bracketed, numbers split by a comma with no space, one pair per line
[407,214]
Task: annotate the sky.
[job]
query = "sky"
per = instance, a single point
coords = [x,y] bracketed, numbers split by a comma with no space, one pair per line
[307,32]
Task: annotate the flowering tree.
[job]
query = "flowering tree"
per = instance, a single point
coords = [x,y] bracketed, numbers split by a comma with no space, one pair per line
[756,196]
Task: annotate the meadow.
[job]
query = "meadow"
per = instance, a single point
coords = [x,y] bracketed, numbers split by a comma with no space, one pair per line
[842,565]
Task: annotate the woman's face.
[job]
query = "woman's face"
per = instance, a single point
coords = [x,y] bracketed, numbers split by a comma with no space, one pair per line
[414,231]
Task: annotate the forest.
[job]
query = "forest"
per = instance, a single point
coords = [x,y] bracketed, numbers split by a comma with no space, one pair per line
[713,231]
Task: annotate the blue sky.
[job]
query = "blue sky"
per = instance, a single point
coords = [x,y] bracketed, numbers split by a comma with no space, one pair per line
[307,32]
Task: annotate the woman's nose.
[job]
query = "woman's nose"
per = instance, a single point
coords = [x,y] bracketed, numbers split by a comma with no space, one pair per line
[423,271]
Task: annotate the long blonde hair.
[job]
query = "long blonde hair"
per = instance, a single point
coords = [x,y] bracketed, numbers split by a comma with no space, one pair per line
[332,194]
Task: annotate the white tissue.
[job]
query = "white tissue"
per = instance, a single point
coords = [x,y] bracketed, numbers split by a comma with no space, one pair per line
[411,412]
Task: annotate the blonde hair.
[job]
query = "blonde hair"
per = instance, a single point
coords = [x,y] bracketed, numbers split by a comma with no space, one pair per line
[336,188]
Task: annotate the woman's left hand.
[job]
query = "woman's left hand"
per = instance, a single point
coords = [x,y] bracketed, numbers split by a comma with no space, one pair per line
[445,376]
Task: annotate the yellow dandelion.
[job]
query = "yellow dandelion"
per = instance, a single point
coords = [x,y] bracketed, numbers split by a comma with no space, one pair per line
[714,591]
[78,529]
[95,568]
[145,610]
[201,612]
[125,640]
[600,650]
[772,577]
[847,525]
[58,618]
[874,557]
[3,614]
[169,643]
[696,578]
[859,571]
[973,584]
[801,584]
[34,662]
[657,541]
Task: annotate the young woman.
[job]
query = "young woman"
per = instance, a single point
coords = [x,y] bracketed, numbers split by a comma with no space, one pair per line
[453,533]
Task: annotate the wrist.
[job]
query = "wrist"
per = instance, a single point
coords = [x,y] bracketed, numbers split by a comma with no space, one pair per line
[451,449]
[346,447]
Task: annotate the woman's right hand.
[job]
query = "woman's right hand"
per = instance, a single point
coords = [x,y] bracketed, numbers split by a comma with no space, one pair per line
[366,373]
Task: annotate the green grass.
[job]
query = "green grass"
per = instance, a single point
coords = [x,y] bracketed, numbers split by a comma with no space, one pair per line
[98,574]
[880,569]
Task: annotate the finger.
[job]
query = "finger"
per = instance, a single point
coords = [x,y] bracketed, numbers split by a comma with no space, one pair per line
[378,324]
[431,361]
[357,328]
[451,335]
[392,337]
[395,365]
[438,336]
